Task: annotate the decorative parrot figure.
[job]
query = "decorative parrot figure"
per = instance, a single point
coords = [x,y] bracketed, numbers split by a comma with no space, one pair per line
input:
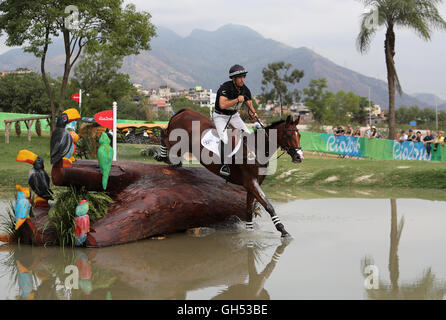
[22,208]
[25,282]
[105,157]
[70,154]
[25,191]
[38,179]
[61,141]
[82,223]
[84,267]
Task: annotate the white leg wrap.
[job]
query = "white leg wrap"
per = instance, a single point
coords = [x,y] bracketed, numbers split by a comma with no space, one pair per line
[275,219]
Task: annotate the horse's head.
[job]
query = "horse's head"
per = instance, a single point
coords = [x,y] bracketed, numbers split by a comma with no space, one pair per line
[289,139]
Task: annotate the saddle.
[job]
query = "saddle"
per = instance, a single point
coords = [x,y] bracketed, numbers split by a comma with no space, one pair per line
[211,141]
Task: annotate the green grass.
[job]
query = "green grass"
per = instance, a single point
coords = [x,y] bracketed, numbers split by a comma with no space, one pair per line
[311,177]
[330,171]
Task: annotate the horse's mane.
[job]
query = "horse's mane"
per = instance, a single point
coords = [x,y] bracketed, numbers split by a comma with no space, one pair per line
[275,124]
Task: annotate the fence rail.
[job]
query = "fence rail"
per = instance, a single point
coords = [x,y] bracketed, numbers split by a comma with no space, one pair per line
[28,122]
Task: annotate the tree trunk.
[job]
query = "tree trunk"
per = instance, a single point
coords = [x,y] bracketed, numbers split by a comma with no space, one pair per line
[389,47]
[49,91]
[148,199]
[67,69]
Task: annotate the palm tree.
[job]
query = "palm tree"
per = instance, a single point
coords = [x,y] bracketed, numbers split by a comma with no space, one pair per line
[421,16]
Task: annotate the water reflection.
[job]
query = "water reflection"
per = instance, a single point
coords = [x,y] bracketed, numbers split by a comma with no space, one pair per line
[167,269]
[254,288]
[425,287]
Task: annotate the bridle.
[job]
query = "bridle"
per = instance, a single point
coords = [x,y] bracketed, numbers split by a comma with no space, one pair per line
[287,136]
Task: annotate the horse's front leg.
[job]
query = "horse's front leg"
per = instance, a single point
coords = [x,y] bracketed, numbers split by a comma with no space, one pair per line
[249,211]
[255,189]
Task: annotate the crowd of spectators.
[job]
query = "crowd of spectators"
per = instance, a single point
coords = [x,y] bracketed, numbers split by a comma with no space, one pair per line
[370,132]
[429,140]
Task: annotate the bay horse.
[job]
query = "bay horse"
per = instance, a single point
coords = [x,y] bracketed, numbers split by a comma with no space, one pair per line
[245,174]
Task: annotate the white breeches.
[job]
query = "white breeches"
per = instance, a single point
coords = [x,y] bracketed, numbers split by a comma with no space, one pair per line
[220,121]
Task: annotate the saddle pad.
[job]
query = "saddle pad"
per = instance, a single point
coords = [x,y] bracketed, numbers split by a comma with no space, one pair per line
[211,141]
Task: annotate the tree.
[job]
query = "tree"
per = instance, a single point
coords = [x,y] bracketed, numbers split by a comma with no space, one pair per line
[362,115]
[98,75]
[278,75]
[419,15]
[23,93]
[182,102]
[316,98]
[93,26]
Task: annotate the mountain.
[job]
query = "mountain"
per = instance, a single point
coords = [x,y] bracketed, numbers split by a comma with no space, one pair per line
[431,99]
[204,57]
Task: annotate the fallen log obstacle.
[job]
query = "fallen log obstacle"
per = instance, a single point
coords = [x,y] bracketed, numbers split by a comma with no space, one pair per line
[149,200]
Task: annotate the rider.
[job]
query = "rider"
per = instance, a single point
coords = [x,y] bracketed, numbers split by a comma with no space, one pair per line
[231,95]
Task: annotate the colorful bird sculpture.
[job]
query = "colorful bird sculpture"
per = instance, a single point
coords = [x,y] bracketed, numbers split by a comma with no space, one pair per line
[82,223]
[61,141]
[105,157]
[38,179]
[70,155]
[84,267]
[25,191]
[22,208]
[25,282]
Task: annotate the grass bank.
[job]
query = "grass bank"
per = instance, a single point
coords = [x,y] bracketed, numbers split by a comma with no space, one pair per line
[324,175]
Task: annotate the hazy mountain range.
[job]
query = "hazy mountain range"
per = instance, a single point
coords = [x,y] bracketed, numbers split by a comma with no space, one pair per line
[204,57]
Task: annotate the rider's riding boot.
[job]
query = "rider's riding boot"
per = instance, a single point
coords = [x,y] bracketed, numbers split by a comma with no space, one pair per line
[224,170]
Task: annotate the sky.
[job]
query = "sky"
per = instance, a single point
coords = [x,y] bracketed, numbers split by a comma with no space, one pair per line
[329,27]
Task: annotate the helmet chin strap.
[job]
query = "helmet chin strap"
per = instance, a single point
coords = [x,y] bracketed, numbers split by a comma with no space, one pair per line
[235,84]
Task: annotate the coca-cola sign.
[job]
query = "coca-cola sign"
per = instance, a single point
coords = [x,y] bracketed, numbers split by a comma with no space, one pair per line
[105,118]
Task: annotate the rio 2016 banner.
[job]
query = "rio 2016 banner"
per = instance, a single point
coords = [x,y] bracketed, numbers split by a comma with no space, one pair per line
[381,149]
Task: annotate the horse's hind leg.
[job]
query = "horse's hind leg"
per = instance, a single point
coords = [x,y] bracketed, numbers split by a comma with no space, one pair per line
[260,196]
[163,156]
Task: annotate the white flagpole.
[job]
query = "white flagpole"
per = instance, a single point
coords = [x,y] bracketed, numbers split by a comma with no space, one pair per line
[80,102]
[115,120]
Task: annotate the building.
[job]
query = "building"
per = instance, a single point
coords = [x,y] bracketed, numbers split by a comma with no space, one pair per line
[375,110]
[303,111]
[161,105]
[18,71]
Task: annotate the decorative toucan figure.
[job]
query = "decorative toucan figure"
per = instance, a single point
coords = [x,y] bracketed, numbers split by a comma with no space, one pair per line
[61,141]
[105,158]
[38,179]
[22,209]
[82,223]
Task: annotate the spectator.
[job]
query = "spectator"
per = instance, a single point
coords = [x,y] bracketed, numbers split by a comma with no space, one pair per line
[411,135]
[368,130]
[349,131]
[403,136]
[418,137]
[340,131]
[357,132]
[439,139]
[397,137]
[428,140]
[373,133]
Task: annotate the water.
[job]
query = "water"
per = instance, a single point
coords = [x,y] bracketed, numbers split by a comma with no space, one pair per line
[334,240]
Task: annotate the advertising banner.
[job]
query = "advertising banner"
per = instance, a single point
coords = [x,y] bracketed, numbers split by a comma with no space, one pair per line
[381,149]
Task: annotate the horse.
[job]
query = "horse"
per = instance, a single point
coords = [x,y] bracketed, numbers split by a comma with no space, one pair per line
[245,174]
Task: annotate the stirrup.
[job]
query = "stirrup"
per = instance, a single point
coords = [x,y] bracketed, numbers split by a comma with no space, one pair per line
[225,171]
